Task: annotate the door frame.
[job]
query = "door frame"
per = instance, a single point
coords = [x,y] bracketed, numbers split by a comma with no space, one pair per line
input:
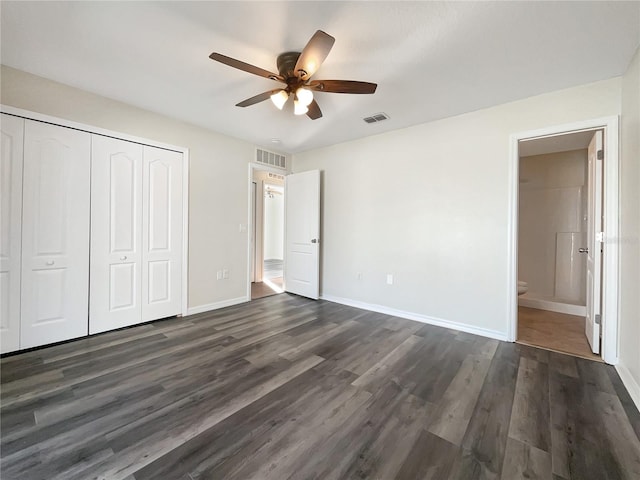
[254,166]
[39,117]
[610,191]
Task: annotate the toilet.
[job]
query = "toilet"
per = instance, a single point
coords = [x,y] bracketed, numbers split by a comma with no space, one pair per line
[523,287]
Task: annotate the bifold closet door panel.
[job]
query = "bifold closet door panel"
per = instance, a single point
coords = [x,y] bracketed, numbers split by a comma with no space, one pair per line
[55,234]
[162,234]
[11,232]
[116,234]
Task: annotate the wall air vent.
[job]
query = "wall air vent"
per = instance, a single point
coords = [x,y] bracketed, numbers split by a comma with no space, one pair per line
[271,158]
[378,117]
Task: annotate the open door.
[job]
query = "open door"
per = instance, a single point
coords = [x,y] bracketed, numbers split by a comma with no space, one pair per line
[594,241]
[302,234]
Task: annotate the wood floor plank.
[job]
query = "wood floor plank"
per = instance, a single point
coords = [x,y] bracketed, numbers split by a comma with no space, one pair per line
[452,417]
[530,413]
[431,458]
[525,462]
[288,388]
[620,433]
[485,440]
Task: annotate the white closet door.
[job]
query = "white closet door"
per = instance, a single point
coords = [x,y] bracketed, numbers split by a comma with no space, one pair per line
[55,234]
[116,234]
[162,234]
[11,232]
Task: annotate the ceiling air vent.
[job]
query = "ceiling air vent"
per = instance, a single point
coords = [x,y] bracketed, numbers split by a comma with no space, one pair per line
[271,158]
[378,117]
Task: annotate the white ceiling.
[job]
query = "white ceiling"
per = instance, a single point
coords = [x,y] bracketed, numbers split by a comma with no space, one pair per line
[555,143]
[431,60]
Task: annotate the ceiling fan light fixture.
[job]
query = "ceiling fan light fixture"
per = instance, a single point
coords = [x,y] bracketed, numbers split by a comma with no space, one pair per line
[299,108]
[305,96]
[280,98]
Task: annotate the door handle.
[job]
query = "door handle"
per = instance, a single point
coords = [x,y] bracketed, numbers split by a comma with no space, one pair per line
[50,262]
[583,250]
[123,258]
[315,240]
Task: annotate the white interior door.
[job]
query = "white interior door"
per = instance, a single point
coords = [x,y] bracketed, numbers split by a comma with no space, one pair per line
[162,234]
[55,234]
[116,236]
[11,233]
[594,232]
[302,234]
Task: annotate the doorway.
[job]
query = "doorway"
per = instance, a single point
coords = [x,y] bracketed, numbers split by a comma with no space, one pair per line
[563,261]
[553,221]
[267,233]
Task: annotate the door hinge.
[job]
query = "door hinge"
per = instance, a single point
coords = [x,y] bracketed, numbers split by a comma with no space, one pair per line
[600,237]
[598,319]
[600,155]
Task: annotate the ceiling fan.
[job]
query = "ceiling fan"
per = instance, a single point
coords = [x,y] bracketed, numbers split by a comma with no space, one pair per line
[295,70]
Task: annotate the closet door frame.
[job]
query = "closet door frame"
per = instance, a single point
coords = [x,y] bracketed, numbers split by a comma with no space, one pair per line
[26,114]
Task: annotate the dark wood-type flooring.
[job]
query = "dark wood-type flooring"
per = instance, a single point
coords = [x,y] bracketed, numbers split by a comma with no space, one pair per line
[287,388]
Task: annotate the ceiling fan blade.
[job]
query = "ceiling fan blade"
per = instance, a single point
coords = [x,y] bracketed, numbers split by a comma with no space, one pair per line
[342,86]
[313,55]
[314,111]
[257,99]
[245,67]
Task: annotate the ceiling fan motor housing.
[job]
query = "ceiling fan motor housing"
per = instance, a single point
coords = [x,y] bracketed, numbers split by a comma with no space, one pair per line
[287,63]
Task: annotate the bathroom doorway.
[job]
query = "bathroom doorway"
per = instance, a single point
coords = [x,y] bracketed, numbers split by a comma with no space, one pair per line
[267,237]
[561,260]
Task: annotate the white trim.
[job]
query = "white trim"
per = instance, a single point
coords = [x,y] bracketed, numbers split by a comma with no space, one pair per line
[185,232]
[19,112]
[552,306]
[217,305]
[40,117]
[611,231]
[418,317]
[630,383]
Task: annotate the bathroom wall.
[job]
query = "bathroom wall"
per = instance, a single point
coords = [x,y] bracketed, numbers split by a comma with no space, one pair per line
[274,226]
[552,225]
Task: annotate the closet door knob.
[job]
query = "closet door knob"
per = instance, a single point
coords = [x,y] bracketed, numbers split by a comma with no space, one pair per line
[50,262]
[123,258]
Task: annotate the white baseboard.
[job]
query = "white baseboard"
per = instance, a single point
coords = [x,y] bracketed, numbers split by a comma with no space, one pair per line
[463,327]
[216,305]
[551,306]
[630,383]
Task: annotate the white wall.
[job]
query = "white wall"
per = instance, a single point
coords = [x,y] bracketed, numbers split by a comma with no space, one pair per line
[429,204]
[630,230]
[274,227]
[551,205]
[217,183]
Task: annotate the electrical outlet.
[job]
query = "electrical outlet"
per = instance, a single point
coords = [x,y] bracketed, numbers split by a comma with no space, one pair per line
[389,279]
[219,275]
[225,274]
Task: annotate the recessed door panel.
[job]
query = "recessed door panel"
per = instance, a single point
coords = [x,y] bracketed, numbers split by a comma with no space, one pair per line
[50,197]
[123,283]
[123,197]
[11,153]
[49,295]
[55,236]
[159,281]
[116,219]
[162,234]
[159,208]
